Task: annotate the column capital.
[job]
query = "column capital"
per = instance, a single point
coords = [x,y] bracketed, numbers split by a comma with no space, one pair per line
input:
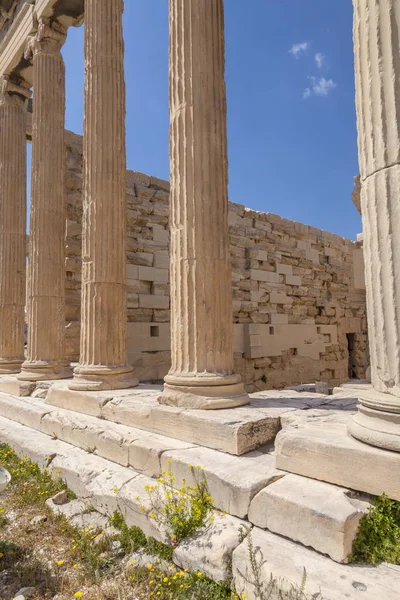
[48,39]
[14,93]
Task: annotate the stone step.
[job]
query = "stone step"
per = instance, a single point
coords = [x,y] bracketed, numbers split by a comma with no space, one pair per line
[110,487]
[236,431]
[288,564]
[316,514]
[328,453]
[232,481]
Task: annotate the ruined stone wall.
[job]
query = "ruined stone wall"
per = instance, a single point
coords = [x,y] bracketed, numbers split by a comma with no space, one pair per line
[298,292]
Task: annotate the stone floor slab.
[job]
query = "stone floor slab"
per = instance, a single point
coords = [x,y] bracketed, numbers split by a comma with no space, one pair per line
[287,563]
[316,514]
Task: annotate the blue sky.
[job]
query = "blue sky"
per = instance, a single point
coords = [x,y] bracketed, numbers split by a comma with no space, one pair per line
[291,119]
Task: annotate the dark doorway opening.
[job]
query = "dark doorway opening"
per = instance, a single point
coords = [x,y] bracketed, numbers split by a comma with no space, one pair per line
[352,359]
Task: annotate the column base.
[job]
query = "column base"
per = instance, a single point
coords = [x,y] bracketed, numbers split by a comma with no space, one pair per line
[377,421]
[97,377]
[44,371]
[204,392]
[10,366]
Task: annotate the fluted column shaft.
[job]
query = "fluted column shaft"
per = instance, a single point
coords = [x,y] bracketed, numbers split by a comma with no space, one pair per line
[202,372]
[377,67]
[12,224]
[46,270]
[103,353]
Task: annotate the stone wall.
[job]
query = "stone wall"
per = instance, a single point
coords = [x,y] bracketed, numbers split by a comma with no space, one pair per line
[298,292]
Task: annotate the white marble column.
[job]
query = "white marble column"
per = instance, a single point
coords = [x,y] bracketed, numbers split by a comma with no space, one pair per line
[103,353]
[377,67]
[46,270]
[202,373]
[13,99]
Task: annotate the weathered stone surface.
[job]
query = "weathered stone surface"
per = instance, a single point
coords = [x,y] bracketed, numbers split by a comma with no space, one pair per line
[210,551]
[316,514]
[202,373]
[377,70]
[286,563]
[103,353]
[46,291]
[25,411]
[235,431]
[329,454]
[12,224]
[231,481]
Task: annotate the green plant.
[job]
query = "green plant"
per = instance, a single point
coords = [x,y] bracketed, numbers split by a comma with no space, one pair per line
[35,486]
[181,512]
[3,519]
[378,537]
[177,584]
[133,539]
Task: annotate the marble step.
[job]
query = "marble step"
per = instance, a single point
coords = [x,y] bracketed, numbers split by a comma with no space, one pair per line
[232,481]
[328,453]
[110,487]
[316,514]
[235,431]
[288,564]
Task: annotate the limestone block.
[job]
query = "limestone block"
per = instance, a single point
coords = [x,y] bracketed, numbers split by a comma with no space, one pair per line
[358,266]
[153,274]
[268,276]
[144,259]
[279,298]
[231,481]
[161,261]
[154,301]
[210,550]
[160,234]
[132,272]
[286,563]
[316,514]
[160,289]
[292,280]
[261,255]
[280,319]
[284,269]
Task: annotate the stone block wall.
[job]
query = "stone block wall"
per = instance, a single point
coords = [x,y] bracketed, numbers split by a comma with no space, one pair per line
[298,292]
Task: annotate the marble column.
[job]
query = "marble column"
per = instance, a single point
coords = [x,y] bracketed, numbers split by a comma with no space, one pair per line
[103,351]
[202,373]
[46,269]
[13,99]
[377,67]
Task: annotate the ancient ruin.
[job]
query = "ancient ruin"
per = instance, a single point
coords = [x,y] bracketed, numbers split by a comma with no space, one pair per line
[210,333]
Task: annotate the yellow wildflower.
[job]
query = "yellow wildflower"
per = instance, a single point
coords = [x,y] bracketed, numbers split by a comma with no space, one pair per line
[60,562]
[78,594]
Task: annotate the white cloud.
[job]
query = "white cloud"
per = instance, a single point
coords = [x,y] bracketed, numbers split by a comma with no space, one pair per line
[320,60]
[298,49]
[319,87]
